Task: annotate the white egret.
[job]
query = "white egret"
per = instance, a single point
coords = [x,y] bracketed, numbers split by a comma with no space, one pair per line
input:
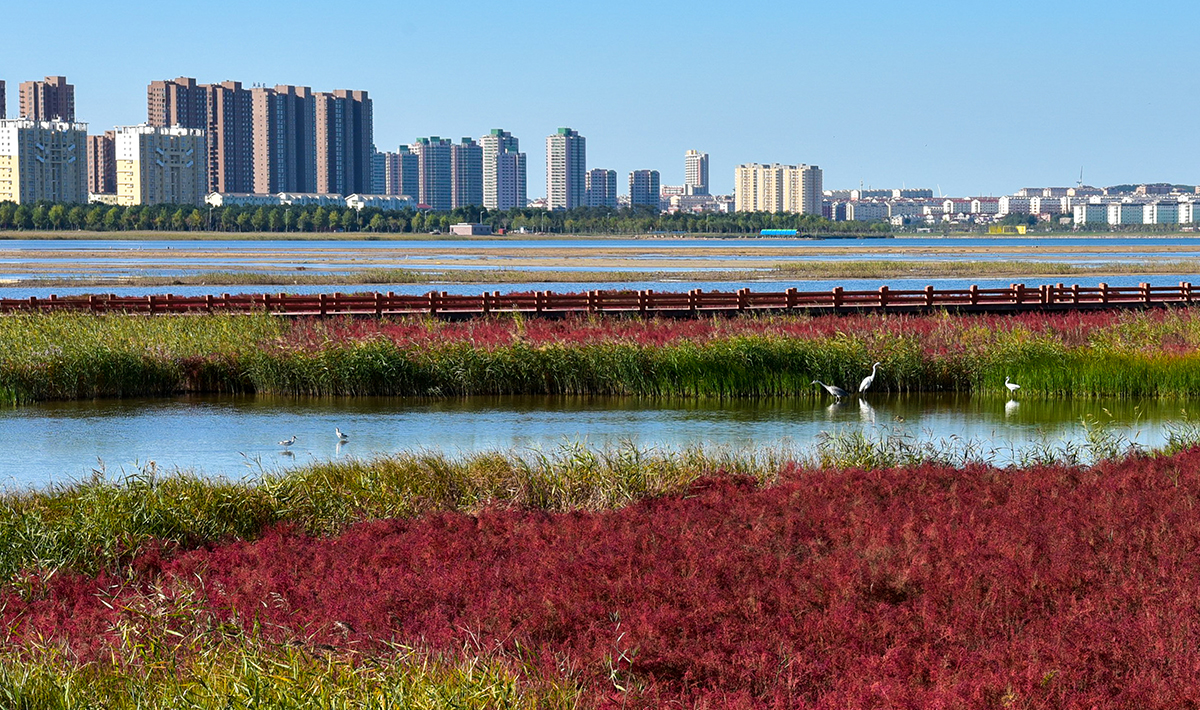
[288,442]
[342,436]
[868,380]
[833,390]
[1012,386]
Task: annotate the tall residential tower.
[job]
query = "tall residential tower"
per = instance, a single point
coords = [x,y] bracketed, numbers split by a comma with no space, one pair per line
[503,171]
[566,161]
[49,100]
[695,173]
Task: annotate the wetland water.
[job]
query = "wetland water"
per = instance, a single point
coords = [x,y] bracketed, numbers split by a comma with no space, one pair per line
[117,258]
[58,442]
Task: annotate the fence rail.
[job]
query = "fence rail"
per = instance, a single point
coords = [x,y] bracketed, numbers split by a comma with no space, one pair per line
[1016,297]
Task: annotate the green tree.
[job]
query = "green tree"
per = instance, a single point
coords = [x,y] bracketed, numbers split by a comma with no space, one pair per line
[320,220]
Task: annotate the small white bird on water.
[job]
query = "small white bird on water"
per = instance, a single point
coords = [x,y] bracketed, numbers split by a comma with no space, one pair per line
[342,436]
[868,380]
[1012,386]
[288,442]
[833,390]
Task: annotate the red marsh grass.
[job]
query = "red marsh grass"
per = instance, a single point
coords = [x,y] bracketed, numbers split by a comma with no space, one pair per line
[927,586]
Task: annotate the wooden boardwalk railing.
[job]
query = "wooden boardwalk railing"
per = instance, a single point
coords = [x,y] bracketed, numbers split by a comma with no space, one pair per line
[1016,297]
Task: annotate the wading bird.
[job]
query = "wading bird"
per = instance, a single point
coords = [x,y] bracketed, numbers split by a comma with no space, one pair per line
[833,390]
[1012,386]
[342,437]
[288,442]
[868,380]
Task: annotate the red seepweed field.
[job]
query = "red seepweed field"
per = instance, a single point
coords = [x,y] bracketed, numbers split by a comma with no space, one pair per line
[926,587]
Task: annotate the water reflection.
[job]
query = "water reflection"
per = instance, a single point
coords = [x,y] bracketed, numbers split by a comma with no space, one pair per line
[236,436]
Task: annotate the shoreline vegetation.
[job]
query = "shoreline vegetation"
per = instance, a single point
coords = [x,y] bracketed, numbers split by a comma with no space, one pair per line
[580,578]
[1117,354]
[781,272]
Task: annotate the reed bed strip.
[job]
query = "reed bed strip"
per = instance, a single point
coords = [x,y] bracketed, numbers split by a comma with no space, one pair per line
[67,356]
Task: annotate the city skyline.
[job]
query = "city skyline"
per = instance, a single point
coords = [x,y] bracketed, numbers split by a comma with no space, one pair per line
[954,97]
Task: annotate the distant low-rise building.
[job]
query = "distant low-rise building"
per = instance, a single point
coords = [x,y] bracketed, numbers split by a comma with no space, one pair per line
[384,202]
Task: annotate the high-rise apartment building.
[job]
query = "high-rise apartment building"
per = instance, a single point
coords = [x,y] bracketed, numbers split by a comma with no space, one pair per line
[503,171]
[159,165]
[43,160]
[344,136]
[466,173]
[566,164]
[778,188]
[230,138]
[601,188]
[436,190]
[644,188]
[402,173]
[102,164]
[695,173]
[3,101]
[181,102]
[378,172]
[284,139]
[50,100]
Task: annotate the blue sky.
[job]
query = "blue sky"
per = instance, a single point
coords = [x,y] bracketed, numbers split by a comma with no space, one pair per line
[975,98]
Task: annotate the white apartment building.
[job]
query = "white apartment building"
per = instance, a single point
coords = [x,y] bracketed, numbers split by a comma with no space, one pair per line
[160,165]
[1014,204]
[695,173]
[566,165]
[866,211]
[778,188]
[43,160]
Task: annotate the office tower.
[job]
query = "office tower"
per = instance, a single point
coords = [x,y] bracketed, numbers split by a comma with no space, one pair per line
[778,188]
[695,173]
[49,100]
[102,164]
[403,175]
[160,165]
[466,173]
[644,188]
[43,160]
[284,139]
[436,185]
[181,102]
[344,135]
[601,188]
[566,161]
[503,171]
[3,101]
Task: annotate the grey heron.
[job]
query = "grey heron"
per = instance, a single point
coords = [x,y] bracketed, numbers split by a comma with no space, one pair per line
[868,380]
[832,389]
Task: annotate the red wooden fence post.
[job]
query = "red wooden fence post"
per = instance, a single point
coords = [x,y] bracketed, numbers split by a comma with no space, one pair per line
[1145,292]
[929,296]
[791,298]
[883,296]
[974,294]
[839,297]
[1103,293]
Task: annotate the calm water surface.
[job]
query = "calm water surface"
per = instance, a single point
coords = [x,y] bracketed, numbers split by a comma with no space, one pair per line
[237,436]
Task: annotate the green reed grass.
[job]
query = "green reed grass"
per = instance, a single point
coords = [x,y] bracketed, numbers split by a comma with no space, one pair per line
[253,675]
[99,522]
[62,356]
